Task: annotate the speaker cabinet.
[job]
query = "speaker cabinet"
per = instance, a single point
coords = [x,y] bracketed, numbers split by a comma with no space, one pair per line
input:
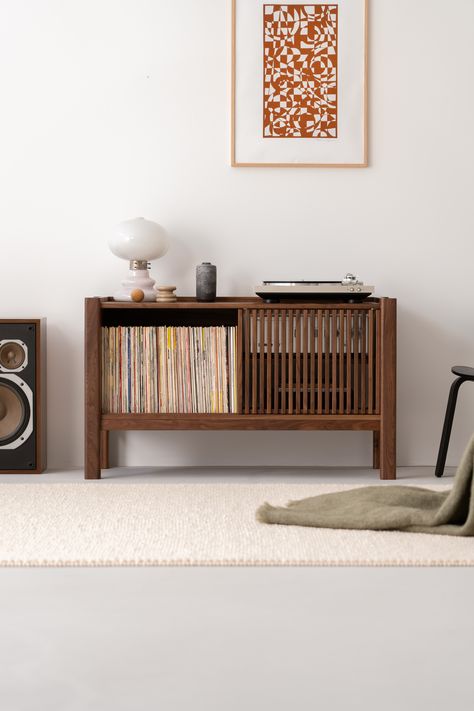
[22,396]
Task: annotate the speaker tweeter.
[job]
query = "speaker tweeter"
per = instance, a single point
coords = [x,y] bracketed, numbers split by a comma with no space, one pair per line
[13,356]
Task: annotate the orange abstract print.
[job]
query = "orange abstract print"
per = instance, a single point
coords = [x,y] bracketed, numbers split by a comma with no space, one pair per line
[300,71]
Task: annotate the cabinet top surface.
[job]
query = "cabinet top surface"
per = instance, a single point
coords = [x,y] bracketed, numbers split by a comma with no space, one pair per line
[236,302]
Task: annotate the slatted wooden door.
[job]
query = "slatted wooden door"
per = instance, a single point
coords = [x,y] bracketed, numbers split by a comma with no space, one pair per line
[314,361]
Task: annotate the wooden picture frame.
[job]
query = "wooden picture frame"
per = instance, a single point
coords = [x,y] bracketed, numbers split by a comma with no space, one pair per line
[238,154]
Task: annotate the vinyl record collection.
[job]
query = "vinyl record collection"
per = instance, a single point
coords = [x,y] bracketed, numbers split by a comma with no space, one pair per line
[168,369]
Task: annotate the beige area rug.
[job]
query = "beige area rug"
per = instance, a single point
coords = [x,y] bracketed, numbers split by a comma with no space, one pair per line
[104,524]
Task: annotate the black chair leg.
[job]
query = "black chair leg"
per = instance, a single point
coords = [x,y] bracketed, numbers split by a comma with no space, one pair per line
[448,423]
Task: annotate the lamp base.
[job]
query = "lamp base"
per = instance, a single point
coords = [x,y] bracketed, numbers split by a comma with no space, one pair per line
[137,279]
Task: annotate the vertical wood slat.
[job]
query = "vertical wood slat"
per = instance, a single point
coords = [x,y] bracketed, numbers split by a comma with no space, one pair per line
[297,361]
[333,361]
[276,360]
[312,368]
[284,325]
[363,360]
[378,352]
[327,349]
[254,361]
[348,362]
[240,348]
[304,404]
[341,362]
[270,346]
[320,361]
[247,361]
[370,365]
[261,350]
[290,360]
[356,347]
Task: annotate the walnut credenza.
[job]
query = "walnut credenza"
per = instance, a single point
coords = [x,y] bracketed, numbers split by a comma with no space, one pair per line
[300,366]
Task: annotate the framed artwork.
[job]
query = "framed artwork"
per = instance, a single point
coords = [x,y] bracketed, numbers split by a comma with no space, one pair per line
[299,84]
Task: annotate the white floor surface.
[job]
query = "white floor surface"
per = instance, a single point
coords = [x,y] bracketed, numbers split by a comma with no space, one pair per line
[225,639]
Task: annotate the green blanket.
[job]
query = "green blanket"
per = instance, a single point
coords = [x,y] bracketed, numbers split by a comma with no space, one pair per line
[388,507]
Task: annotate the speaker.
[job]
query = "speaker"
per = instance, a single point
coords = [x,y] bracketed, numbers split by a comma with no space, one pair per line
[22,396]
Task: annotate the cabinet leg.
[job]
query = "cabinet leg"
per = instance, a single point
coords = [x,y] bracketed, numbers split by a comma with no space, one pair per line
[92,397]
[388,463]
[92,472]
[104,449]
[92,454]
[388,390]
[92,469]
[376,450]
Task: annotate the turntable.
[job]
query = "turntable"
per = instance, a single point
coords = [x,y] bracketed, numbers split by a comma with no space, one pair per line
[349,289]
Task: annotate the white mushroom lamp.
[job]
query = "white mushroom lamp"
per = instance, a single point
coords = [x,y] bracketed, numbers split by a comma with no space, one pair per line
[138,241]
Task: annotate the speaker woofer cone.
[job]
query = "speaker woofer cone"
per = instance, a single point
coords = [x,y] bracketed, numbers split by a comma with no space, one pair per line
[14,412]
[12,355]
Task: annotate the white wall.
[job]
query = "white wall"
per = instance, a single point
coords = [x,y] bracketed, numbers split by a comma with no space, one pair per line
[111,110]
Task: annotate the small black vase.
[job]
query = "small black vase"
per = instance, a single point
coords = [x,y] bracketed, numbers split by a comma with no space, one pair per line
[206,282]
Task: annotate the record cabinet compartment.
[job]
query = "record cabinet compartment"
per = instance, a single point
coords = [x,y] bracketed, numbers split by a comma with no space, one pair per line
[168,317]
[240,364]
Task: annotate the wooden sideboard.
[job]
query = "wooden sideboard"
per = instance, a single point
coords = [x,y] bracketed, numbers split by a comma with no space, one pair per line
[300,366]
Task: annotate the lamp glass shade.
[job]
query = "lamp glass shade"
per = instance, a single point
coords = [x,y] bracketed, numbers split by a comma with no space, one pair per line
[139,239]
